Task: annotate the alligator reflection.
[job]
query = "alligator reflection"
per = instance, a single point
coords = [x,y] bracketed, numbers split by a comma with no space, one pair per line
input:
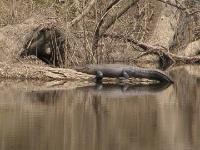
[106,90]
[125,90]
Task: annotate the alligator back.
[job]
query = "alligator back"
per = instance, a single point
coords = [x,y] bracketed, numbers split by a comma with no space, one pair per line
[108,70]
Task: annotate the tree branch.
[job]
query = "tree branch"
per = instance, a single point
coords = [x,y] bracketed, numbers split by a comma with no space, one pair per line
[85,11]
[109,18]
[181,7]
[158,50]
[172,4]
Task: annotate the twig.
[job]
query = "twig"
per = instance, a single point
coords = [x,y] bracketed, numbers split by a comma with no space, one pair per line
[192,13]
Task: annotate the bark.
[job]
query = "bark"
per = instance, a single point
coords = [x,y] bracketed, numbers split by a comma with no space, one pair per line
[192,49]
[174,32]
[165,26]
[175,26]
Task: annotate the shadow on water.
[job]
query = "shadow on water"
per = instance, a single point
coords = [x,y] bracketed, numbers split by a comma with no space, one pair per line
[104,117]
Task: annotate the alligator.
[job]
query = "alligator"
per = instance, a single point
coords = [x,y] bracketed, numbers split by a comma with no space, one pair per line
[123,71]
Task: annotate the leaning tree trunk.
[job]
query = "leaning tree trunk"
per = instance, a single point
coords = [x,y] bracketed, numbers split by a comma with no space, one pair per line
[173,33]
[164,30]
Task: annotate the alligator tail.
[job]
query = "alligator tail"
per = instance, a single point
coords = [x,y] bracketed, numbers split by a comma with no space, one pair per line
[152,74]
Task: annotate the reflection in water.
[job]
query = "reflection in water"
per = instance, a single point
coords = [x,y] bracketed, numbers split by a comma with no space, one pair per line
[124,90]
[155,117]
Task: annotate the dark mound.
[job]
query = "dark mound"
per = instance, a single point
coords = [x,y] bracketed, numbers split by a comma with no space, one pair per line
[48,44]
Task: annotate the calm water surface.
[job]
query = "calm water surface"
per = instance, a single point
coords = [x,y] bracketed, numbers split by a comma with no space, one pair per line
[108,117]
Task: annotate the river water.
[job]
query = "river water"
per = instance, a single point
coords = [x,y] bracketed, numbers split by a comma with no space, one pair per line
[102,117]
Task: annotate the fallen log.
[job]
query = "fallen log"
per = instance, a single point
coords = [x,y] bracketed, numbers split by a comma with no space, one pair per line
[25,71]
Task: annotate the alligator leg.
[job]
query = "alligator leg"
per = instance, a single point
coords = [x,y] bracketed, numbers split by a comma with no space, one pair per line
[99,77]
[125,74]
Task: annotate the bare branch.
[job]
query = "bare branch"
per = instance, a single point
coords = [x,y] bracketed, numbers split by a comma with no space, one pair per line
[194,12]
[142,45]
[176,58]
[96,33]
[158,50]
[85,11]
[171,4]
[109,18]
[181,7]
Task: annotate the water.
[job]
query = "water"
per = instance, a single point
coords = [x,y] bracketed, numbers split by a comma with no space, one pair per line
[113,117]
